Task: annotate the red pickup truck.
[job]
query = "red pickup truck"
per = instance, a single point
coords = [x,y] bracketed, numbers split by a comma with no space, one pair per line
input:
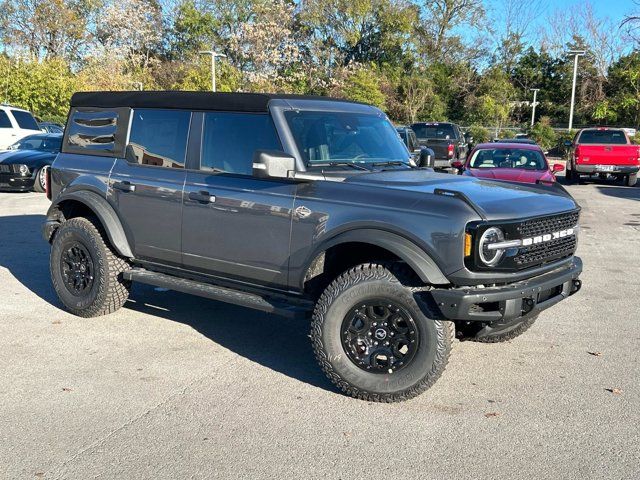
[603,151]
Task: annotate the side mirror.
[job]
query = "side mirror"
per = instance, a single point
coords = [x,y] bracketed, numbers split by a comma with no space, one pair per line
[273,164]
[557,167]
[568,143]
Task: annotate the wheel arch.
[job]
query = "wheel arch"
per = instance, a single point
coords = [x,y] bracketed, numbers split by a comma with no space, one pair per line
[81,203]
[380,241]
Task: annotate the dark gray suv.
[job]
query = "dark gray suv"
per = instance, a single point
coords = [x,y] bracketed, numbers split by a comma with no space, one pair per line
[302,206]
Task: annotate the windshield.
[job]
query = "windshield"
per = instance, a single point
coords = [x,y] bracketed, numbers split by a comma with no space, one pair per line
[442,131]
[326,137]
[38,142]
[616,137]
[508,158]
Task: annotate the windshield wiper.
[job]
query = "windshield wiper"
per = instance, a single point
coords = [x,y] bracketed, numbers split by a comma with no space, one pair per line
[391,163]
[340,164]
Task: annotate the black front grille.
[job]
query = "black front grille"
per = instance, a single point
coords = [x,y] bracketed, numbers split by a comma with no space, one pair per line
[9,168]
[540,226]
[546,252]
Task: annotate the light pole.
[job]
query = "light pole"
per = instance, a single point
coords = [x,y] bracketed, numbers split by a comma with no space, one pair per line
[576,54]
[533,112]
[214,55]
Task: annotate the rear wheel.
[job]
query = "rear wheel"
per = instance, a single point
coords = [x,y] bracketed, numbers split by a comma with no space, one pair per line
[572,176]
[85,271]
[630,180]
[372,338]
[40,183]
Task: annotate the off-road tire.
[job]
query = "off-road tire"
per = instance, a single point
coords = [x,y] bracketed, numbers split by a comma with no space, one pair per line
[37,184]
[630,180]
[498,334]
[109,291]
[355,286]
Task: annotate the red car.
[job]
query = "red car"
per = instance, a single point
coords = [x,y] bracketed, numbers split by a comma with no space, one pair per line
[516,162]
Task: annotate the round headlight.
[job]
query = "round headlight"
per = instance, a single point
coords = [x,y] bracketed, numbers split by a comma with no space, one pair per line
[490,257]
[24,170]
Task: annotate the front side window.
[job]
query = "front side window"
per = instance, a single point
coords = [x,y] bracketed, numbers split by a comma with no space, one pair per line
[325,137]
[616,137]
[159,137]
[25,120]
[230,140]
[508,158]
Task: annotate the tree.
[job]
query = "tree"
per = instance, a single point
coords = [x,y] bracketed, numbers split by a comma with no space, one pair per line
[492,101]
[360,83]
[623,89]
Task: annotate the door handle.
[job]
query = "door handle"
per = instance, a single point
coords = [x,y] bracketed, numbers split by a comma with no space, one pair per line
[202,196]
[124,186]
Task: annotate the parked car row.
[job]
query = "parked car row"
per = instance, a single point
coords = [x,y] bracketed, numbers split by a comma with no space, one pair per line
[23,166]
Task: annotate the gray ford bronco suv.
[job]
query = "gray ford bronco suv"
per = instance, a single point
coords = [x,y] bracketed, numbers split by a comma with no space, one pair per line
[302,206]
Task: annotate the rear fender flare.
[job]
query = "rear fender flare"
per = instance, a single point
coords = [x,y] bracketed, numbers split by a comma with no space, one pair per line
[102,210]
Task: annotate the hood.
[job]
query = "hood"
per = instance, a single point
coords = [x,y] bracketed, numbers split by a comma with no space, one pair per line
[511,174]
[495,200]
[30,158]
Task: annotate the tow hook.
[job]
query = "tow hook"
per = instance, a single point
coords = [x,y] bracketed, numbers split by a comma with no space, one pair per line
[575,286]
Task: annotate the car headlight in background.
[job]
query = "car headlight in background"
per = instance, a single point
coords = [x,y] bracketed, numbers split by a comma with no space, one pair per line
[488,255]
[24,170]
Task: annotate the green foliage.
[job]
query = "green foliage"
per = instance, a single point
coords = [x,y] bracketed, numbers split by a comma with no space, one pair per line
[479,133]
[543,134]
[44,87]
[362,84]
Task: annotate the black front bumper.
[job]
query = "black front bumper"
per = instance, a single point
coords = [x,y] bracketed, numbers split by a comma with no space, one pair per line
[507,302]
[14,182]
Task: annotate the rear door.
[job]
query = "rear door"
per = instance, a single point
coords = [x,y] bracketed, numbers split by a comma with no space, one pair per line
[234,225]
[25,123]
[147,185]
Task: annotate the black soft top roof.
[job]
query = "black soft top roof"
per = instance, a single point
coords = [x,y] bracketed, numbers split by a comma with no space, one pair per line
[237,102]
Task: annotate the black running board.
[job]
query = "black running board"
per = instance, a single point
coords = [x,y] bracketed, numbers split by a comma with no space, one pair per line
[250,300]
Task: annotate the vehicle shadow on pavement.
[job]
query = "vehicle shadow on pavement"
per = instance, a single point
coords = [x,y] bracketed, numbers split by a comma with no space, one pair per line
[629,193]
[275,342]
[26,255]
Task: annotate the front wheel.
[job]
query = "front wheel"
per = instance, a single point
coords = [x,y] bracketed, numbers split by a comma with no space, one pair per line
[372,338]
[40,183]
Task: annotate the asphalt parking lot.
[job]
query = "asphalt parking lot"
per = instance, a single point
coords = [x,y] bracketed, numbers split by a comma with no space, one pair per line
[173,386]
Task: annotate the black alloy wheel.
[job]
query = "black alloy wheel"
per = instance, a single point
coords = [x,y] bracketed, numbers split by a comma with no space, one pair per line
[78,269]
[379,336]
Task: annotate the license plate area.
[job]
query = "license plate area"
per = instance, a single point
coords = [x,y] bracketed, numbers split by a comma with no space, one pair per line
[605,168]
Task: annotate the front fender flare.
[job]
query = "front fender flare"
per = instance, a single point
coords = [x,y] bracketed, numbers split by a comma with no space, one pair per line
[414,256]
[101,208]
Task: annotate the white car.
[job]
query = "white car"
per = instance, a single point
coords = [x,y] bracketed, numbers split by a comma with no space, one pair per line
[15,124]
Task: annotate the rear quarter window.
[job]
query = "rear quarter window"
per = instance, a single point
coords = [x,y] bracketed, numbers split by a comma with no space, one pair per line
[96,131]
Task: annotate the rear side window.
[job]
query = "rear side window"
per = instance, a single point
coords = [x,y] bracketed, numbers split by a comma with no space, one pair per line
[616,137]
[4,120]
[230,139]
[95,131]
[25,120]
[159,137]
